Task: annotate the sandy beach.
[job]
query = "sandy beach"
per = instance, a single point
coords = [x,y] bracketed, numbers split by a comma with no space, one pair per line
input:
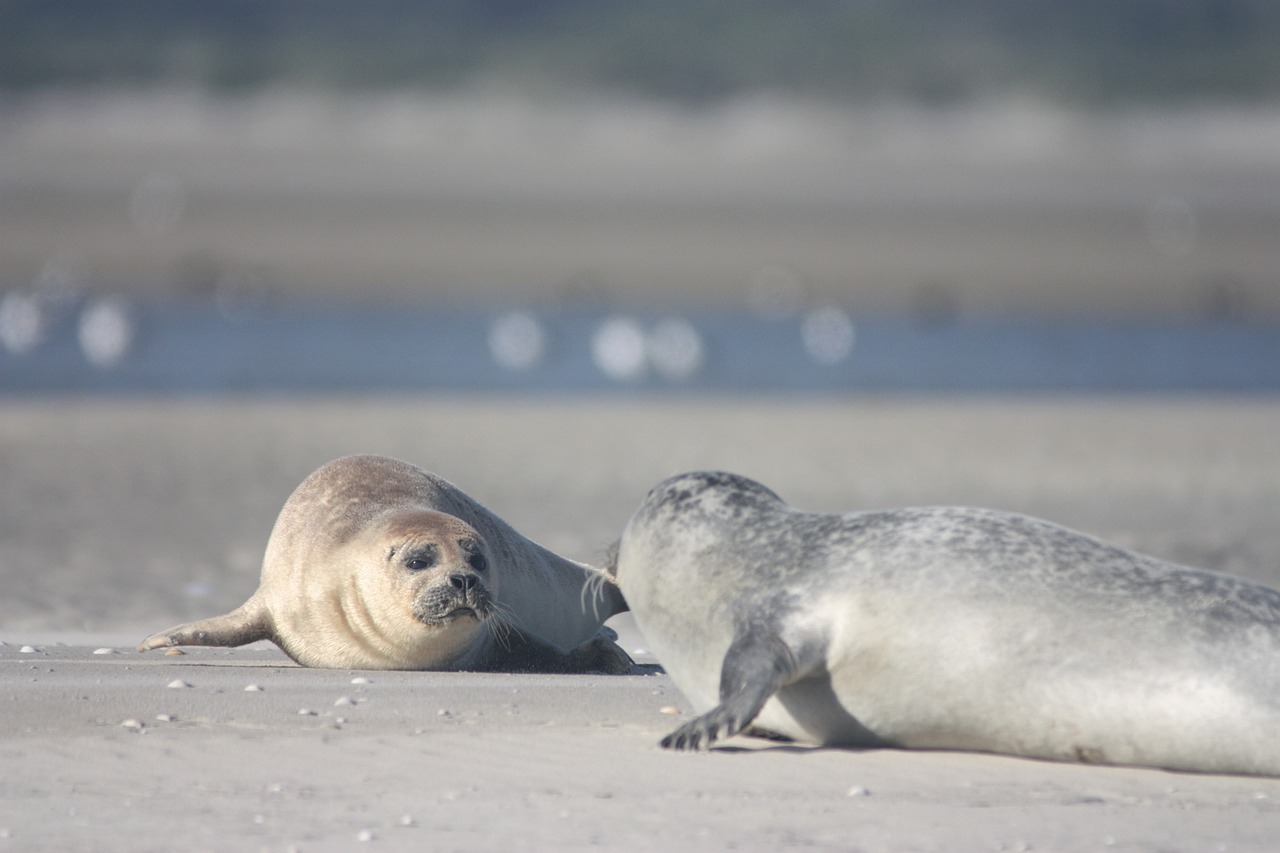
[118,518]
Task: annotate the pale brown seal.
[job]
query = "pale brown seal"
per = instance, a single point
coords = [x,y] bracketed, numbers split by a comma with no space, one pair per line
[376,564]
[947,628]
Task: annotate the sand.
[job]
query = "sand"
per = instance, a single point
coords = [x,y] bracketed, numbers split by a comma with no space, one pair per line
[121,518]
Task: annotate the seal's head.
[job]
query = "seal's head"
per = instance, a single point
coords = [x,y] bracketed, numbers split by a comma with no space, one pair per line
[715,486]
[703,494]
[439,563]
[690,511]
[417,590]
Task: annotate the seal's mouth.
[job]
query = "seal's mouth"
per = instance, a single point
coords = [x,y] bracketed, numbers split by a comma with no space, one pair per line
[445,618]
[461,613]
[445,609]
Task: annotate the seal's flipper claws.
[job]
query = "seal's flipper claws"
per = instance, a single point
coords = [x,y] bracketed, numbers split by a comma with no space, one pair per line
[703,732]
[246,624]
[161,640]
[755,666]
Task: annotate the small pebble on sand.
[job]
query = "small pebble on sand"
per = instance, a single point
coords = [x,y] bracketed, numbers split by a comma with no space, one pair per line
[669,709]
[306,712]
[28,650]
[173,652]
[360,679]
[178,684]
[253,688]
[133,725]
[104,651]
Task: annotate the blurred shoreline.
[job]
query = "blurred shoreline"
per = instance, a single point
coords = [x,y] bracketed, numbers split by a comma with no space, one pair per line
[1001,208]
[110,346]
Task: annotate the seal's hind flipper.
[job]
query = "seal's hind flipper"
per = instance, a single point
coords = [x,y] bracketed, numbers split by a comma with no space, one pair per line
[601,654]
[755,667]
[527,653]
[246,624]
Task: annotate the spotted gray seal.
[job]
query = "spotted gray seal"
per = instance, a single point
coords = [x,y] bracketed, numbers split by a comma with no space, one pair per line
[374,563]
[947,628]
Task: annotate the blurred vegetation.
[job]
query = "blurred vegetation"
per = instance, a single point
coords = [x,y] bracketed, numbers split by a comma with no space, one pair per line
[936,51]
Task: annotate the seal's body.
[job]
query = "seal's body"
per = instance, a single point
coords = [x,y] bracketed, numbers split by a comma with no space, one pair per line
[376,564]
[947,628]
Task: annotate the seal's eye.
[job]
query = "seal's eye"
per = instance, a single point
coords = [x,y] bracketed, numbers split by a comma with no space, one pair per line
[478,562]
[421,558]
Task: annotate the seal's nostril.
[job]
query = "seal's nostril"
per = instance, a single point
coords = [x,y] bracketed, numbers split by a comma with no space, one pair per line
[462,582]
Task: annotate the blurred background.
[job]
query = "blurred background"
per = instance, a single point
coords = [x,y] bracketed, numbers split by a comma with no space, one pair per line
[209,196]
[557,251]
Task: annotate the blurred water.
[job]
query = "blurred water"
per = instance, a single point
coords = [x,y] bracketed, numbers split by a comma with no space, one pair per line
[175,348]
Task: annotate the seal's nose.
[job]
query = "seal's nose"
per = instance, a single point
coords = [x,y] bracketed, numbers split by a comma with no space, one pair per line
[463,582]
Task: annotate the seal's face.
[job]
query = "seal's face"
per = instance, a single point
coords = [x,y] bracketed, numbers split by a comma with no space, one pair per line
[424,595]
[449,576]
[438,564]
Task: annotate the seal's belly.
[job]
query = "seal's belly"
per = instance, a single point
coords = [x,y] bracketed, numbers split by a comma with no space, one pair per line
[1140,715]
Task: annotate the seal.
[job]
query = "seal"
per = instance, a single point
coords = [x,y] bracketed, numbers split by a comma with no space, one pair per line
[374,563]
[946,628]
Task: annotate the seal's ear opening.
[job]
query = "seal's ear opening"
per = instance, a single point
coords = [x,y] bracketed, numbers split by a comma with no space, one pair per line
[473,549]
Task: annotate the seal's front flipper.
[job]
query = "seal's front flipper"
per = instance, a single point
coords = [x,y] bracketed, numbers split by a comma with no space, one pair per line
[755,666]
[246,624]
